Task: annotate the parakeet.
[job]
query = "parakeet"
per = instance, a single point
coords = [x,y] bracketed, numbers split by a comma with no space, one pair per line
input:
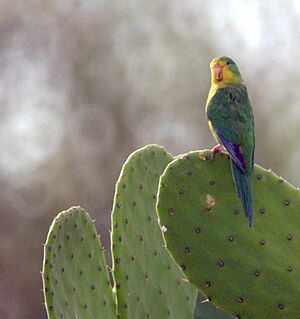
[230,119]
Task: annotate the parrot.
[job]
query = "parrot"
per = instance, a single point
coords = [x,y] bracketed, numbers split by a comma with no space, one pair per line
[230,119]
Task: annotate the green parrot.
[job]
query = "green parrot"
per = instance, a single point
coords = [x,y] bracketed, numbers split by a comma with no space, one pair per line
[230,119]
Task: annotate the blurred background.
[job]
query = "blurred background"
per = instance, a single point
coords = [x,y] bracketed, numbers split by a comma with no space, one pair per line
[84,83]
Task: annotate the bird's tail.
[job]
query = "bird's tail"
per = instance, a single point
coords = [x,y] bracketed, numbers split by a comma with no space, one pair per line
[243,186]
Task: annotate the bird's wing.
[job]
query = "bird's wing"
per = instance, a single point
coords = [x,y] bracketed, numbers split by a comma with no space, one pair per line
[231,116]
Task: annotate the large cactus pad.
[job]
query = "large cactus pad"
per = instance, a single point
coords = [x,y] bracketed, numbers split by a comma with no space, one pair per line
[75,277]
[148,283]
[249,272]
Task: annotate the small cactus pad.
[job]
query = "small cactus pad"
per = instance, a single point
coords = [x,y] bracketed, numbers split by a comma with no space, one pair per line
[248,272]
[75,277]
[148,282]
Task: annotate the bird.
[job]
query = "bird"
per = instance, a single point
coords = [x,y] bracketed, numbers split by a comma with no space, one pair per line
[230,119]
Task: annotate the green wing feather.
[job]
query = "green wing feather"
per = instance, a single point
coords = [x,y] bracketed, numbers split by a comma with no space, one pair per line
[231,115]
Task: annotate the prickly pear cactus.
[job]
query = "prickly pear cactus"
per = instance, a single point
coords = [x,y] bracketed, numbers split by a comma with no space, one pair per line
[250,273]
[75,277]
[148,283]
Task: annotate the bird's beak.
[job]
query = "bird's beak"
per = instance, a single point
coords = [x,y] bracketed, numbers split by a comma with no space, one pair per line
[217,71]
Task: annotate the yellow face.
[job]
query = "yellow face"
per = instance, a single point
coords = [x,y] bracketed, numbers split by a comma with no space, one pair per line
[224,72]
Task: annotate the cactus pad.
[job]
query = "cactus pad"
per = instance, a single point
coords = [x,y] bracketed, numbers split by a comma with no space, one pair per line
[75,276]
[148,282]
[250,273]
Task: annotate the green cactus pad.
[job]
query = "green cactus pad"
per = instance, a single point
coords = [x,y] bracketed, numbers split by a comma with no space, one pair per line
[75,277]
[249,272]
[148,282]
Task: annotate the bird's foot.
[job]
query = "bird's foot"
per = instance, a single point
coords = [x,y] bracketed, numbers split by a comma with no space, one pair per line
[210,155]
[215,150]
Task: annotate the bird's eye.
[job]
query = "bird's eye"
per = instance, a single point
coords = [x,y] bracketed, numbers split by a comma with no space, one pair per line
[228,62]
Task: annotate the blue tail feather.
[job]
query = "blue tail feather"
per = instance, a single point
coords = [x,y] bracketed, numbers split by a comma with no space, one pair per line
[243,185]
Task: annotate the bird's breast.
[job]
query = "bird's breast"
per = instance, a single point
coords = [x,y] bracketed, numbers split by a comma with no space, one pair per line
[211,93]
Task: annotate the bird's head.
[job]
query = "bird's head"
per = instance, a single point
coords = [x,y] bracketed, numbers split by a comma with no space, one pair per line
[224,72]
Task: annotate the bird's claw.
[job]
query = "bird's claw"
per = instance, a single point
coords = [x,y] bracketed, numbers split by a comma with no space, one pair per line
[206,156]
[215,150]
